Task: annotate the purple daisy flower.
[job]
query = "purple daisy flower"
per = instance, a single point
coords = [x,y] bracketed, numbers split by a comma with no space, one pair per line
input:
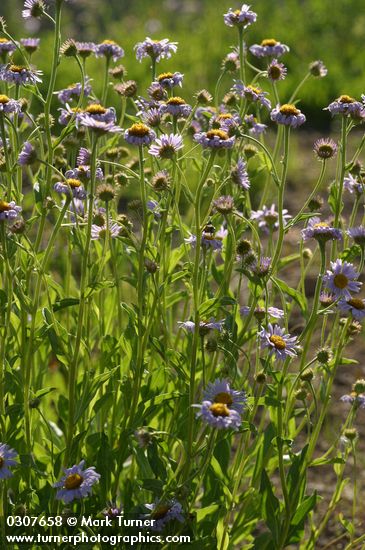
[33,9]
[357,234]
[100,127]
[261,268]
[67,114]
[83,157]
[85,49]
[240,18]
[139,134]
[321,231]
[170,80]
[9,211]
[177,107]
[260,312]
[353,185]
[101,232]
[288,115]
[73,91]
[215,139]
[155,49]
[276,71]
[239,174]
[269,47]
[318,69]
[163,513]
[353,397]
[112,511]
[219,415]
[204,327]
[255,128]
[109,49]
[76,483]
[225,121]
[8,105]
[220,391]
[341,279]
[156,92]
[252,93]
[280,344]
[268,218]
[345,105]
[154,207]
[356,306]
[70,187]
[19,74]
[151,117]
[27,155]
[210,239]
[166,146]
[83,173]
[6,46]
[98,112]
[7,459]
[30,44]
[325,148]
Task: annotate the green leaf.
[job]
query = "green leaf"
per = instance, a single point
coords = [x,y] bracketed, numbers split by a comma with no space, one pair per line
[295,294]
[270,506]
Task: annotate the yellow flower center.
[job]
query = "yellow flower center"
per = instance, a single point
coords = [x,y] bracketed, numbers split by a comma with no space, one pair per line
[17,68]
[1,462]
[4,206]
[340,280]
[269,42]
[77,110]
[278,341]
[289,109]
[346,99]
[225,116]
[160,511]
[237,12]
[320,224]
[3,40]
[176,100]
[95,109]
[73,182]
[4,99]
[138,130]
[356,303]
[109,42]
[253,89]
[219,409]
[73,481]
[211,134]
[162,76]
[223,397]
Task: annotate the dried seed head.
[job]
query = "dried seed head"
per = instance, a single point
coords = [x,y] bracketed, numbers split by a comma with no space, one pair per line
[69,48]
[105,192]
[203,97]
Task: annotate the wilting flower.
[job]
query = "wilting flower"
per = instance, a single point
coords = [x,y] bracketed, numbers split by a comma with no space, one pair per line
[321,231]
[151,117]
[252,93]
[166,146]
[261,267]
[100,127]
[353,185]
[358,234]
[99,232]
[6,46]
[224,204]
[240,18]
[7,459]
[268,218]
[260,312]
[127,88]
[269,47]
[170,80]
[70,187]
[156,49]
[325,148]
[163,513]
[288,115]
[9,211]
[276,71]
[73,92]
[318,69]
[214,139]
[19,74]
[27,155]
[204,327]
[255,128]
[139,134]
[231,63]
[345,105]
[109,49]
[33,8]
[341,279]
[156,92]
[176,106]
[239,174]
[8,105]
[280,344]
[85,49]
[30,44]
[356,306]
[76,483]
[220,391]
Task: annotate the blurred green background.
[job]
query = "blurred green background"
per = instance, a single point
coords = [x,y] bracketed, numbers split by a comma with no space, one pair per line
[330,30]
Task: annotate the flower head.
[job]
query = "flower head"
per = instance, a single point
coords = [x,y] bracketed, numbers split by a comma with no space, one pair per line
[70,187]
[219,415]
[100,127]
[252,93]
[9,211]
[357,234]
[276,71]
[170,80]
[8,105]
[214,139]
[240,18]
[318,69]
[76,483]
[139,134]
[356,306]
[109,49]
[210,238]
[102,231]
[353,397]
[239,174]
[325,148]
[353,185]
[155,49]
[321,231]
[7,459]
[164,512]
[6,46]
[73,92]
[85,49]
[30,44]
[28,155]
[204,327]
[176,106]
[268,218]
[255,128]
[345,105]
[288,115]
[220,391]
[280,344]
[166,146]
[269,47]
[260,312]
[33,9]
[341,279]
[19,74]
